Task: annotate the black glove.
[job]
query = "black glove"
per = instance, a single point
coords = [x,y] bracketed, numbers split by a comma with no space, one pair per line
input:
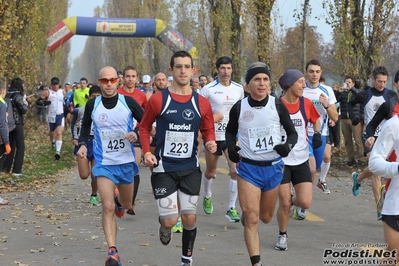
[316,140]
[282,149]
[234,156]
[355,121]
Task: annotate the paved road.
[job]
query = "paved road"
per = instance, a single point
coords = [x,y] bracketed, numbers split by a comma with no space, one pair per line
[57,226]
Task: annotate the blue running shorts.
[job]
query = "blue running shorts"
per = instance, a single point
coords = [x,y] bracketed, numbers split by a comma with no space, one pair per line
[119,174]
[264,177]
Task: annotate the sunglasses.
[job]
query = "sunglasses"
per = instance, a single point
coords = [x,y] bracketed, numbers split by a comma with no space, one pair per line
[105,81]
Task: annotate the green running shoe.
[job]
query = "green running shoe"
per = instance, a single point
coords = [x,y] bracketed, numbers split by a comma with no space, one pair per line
[232,215]
[207,205]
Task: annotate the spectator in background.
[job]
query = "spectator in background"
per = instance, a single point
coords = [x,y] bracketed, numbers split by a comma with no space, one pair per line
[17,138]
[5,148]
[40,107]
[350,132]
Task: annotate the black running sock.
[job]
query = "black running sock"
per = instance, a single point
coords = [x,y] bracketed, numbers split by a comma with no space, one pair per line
[255,259]
[113,248]
[135,187]
[117,202]
[188,240]
[283,233]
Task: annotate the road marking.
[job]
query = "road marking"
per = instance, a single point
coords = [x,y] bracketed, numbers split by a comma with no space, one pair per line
[309,216]
[312,217]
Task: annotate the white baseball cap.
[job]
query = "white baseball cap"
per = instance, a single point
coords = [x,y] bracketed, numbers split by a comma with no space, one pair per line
[146,79]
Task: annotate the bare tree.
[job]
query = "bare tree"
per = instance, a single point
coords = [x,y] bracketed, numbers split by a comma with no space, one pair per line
[361,27]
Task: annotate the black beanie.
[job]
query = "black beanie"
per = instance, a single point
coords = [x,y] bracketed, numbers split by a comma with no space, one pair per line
[254,71]
[289,77]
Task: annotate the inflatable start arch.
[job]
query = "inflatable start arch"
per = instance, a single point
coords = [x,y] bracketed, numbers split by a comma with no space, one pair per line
[119,27]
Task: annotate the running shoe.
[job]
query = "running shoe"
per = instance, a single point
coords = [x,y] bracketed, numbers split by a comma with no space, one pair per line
[380,201]
[93,200]
[119,210]
[165,235]
[232,215]
[323,187]
[178,228]
[187,264]
[356,184]
[131,211]
[57,156]
[207,205]
[299,213]
[3,201]
[281,242]
[113,258]
[258,264]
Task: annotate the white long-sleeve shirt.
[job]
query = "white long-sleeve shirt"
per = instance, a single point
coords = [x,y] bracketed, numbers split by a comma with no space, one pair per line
[384,161]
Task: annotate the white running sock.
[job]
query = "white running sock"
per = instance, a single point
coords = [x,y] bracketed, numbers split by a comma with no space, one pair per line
[324,170]
[207,186]
[58,145]
[233,193]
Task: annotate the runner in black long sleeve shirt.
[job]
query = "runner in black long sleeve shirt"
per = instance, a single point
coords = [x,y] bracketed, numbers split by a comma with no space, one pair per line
[285,119]
[109,103]
[258,119]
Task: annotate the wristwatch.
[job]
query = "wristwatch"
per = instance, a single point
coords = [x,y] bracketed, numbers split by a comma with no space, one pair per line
[328,105]
[82,143]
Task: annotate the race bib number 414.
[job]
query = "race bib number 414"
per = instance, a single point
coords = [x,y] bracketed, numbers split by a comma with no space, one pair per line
[263,139]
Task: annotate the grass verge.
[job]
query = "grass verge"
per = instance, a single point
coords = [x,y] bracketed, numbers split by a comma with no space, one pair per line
[39,168]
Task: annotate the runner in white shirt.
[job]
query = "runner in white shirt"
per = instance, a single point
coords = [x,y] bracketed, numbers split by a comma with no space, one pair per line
[324,100]
[55,115]
[222,93]
[384,162]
